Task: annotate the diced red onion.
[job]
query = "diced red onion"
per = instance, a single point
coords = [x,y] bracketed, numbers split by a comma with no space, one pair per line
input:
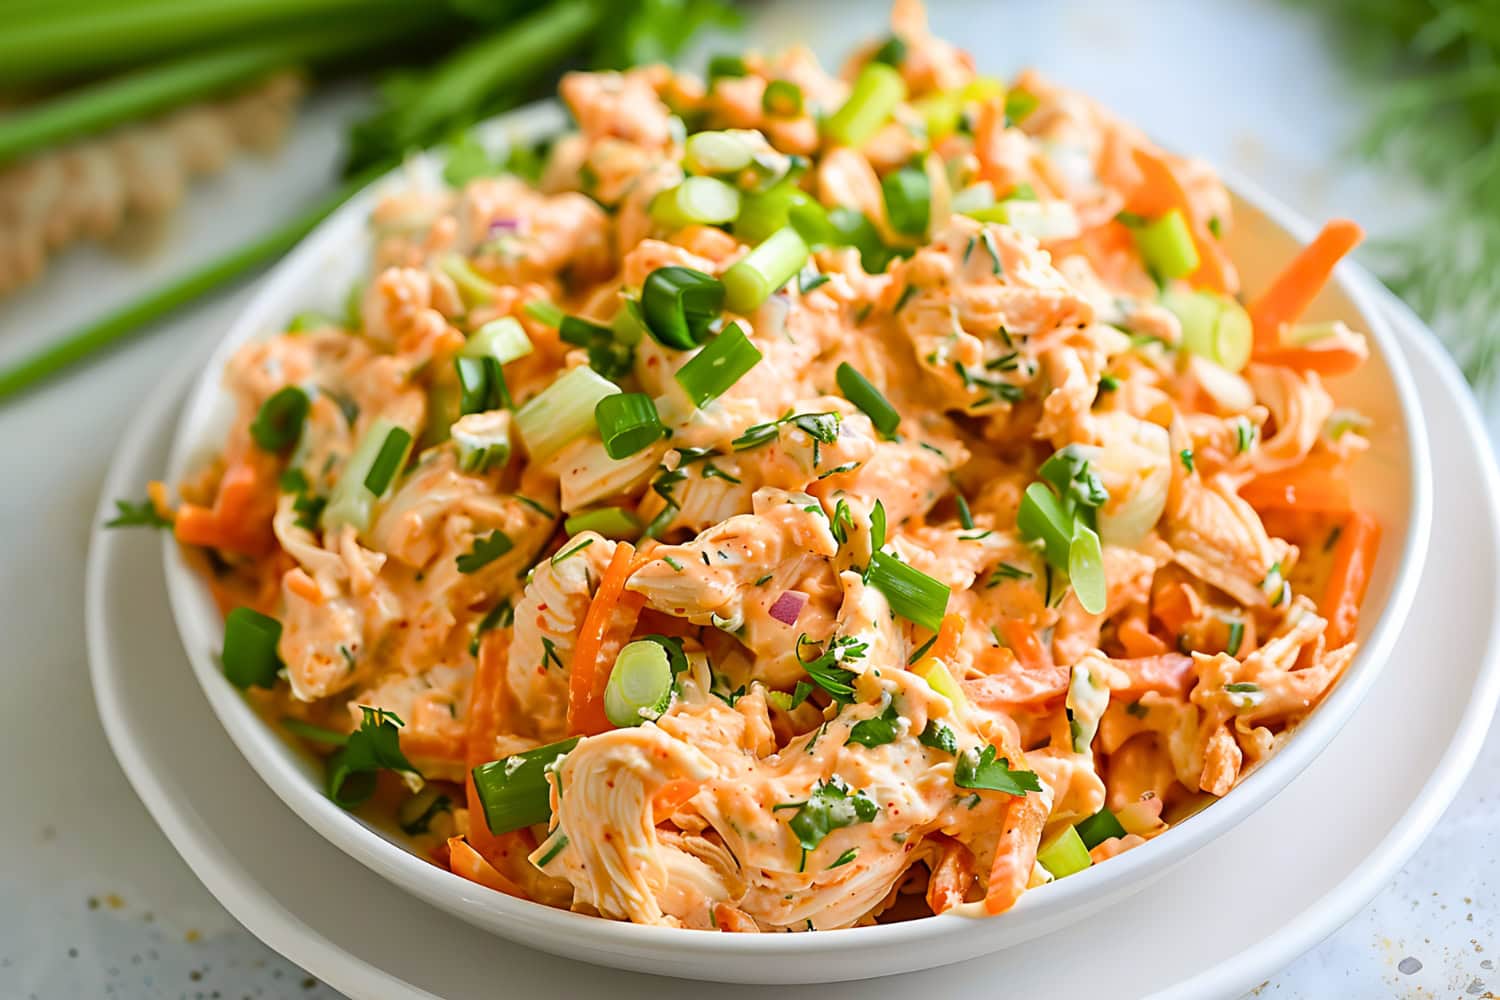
[788,606]
[505,225]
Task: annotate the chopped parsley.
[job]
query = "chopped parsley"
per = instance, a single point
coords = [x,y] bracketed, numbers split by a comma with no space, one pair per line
[130,514]
[375,746]
[982,770]
[831,806]
[1186,455]
[824,669]
[485,551]
[877,730]
[939,737]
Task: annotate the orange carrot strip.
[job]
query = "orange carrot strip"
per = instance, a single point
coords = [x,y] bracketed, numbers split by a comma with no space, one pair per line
[1015,854]
[240,519]
[304,586]
[1353,561]
[1337,357]
[1320,484]
[483,722]
[950,634]
[588,674]
[1301,281]
[671,797]
[465,861]
[433,746]
[1023,642]
[951,877]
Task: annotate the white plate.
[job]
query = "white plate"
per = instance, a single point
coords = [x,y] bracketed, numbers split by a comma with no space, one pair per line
[1313,856]
[1393,479]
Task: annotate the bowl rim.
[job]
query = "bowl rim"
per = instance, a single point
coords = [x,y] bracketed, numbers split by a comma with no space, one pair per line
[269,755]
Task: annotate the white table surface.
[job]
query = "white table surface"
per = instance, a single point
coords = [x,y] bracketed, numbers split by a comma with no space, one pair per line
[93,901]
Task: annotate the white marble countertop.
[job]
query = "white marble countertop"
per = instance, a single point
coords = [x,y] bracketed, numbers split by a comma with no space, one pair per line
[94,902]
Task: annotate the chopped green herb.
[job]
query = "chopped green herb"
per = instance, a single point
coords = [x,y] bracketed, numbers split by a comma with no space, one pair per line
[982,770]
[566,553]
[137,515]
[831,806]
[485,551]
[1186,455]
[824,669]
[375,746]
[939,737]
[877,730]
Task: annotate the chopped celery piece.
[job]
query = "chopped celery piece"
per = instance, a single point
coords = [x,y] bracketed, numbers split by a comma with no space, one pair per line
[562,411]
[474,288]
[611,522]
[1086,568]
[1166,245]
[765,213]
[697,200]
[1063,853]
[974,198]
[752,279]
[483,440]
[351,501]
[877,91]
[503,339]
[936,674]
[514,790]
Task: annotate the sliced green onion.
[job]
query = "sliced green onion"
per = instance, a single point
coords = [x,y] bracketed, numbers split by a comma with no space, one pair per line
[473,288]
[304,322]
[892,52]
[562,411]
[481,385]
[1063,854]
[640,685]
[754,277]
[862,393]
[680,304]
[1043,517]
[1166,245]
[250,658]
[701,200]
[726,65]
[912,594]
[514,791]
[908,200]
[443,408]
[764,213]
[389,460]
[1215,327]
[351,499]
[782,98]
[723,361]
[627,423]
[717,153]
[877,91]
[1098,828]
[503,339]
[1086,568]
[278,424]
[483,440]
[581,332]
[611,522]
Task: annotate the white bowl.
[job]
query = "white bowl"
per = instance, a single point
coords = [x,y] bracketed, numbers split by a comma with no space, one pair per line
[1393,481]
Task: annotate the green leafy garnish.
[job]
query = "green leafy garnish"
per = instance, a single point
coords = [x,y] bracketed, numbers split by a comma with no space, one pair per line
[485,551]
[137,515]
[831,806]
[824,669]
[877,730]
[982,770]
[374,747]
[939,737]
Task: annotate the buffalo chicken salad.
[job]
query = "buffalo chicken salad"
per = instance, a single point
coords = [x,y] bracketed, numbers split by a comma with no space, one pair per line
[794,500]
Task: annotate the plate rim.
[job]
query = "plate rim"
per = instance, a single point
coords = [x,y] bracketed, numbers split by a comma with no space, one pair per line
[1037,913]
[1328,912]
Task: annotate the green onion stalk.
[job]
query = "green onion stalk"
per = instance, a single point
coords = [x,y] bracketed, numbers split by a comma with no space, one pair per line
[488,75]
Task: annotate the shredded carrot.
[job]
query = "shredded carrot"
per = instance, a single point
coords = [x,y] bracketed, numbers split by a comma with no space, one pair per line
[465,861]
[1334,357]
[671,797]
[1175,605]
[240,519]
[1353,561]
[1320,484]
[1136,637]
[950,634]
[951,877]
[1300,282]
[488,698]
[1015,854]
[433,746]
[588,673]
[1023,642]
